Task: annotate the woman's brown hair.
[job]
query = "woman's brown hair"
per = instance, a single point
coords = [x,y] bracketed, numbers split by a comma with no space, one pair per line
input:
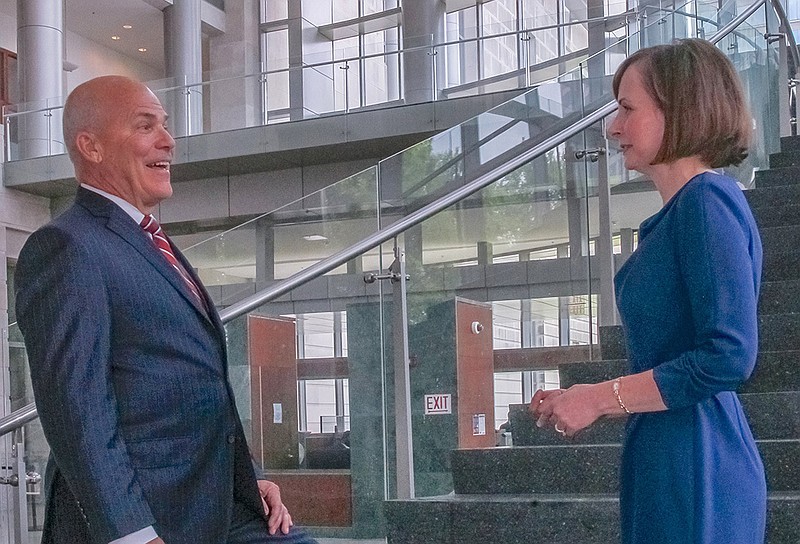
[697,88]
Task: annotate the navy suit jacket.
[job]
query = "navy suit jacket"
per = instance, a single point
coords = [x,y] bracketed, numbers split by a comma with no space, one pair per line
[130,378]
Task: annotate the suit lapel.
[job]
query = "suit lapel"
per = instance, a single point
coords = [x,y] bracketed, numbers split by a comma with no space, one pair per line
[126,228]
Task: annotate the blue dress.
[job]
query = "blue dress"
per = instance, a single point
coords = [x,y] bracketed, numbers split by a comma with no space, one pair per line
[687,297]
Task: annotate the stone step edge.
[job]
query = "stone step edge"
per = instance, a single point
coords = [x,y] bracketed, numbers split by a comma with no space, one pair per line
[565,497]
[603,445]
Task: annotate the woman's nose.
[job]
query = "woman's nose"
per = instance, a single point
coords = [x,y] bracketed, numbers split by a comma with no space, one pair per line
[612,128]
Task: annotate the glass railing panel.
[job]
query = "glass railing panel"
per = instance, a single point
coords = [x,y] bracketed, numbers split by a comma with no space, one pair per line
[486,248]
[408,180]
[634,198]
[20,391]
[281,243]
[36,449]
[30,469]
[33,129]
[756,62]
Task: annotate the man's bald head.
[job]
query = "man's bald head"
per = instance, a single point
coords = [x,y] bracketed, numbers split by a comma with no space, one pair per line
[116,134]
[91,105]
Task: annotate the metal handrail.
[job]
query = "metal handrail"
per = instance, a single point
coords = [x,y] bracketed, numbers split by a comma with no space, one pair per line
[28,413]
[338,259]
[18,418]
[787,28]
[377,238]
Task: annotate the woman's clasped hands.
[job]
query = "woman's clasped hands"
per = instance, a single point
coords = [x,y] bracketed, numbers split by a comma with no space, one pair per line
[568,411]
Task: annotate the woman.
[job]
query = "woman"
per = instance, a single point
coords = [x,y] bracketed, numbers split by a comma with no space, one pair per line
[691,473]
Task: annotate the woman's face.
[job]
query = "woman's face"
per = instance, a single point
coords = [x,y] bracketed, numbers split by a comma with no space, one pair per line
[639,123]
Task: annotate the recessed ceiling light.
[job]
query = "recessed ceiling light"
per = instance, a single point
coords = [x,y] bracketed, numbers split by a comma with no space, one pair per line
[315,237]
[127,27]
[115,38]
[142,50]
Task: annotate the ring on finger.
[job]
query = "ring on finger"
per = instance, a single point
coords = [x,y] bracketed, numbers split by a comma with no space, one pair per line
[559,430]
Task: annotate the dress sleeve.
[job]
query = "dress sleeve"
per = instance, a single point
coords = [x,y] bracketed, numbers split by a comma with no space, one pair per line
[62,310]
[719,256]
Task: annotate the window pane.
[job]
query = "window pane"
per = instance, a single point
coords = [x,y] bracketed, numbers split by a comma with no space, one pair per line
[320,403]
[507,390]
[274,10]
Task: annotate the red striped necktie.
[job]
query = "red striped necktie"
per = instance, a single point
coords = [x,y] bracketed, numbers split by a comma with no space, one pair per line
[150,225]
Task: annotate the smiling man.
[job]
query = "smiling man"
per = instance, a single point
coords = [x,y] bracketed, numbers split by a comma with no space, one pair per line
[127,352]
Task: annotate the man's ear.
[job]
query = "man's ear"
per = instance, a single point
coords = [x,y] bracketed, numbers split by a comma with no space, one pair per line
[89,147]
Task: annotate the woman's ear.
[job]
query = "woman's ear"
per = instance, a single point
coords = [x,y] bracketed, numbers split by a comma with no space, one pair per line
[89,147]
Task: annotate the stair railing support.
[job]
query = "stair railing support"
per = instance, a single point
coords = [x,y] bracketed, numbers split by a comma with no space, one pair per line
[20,494]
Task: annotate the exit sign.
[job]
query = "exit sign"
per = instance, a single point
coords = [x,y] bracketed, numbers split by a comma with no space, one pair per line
[438,404]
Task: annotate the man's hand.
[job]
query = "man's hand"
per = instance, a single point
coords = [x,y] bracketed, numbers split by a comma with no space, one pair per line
[278,515]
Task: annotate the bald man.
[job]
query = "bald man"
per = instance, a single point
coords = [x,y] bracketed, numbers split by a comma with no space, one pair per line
[127,352]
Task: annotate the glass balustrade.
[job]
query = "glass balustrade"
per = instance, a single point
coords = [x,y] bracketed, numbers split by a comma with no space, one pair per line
[341,78]
[518,262]
[510,269]
[35,450]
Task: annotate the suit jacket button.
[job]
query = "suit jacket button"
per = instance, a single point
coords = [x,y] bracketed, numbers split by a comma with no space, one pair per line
[231,439]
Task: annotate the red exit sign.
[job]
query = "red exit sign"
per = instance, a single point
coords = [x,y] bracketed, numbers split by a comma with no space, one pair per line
[438,404]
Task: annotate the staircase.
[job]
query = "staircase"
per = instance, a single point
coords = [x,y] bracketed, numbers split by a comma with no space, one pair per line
[549,491]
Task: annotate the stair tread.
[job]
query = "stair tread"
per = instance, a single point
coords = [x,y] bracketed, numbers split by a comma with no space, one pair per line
[519,497]
[555,497]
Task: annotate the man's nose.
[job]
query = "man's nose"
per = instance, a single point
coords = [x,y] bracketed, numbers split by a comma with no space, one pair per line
[167,140]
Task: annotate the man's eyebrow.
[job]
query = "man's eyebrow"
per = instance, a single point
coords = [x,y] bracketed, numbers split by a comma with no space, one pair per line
[150,116]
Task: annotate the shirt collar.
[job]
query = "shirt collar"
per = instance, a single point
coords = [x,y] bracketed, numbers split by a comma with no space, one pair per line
[126,206]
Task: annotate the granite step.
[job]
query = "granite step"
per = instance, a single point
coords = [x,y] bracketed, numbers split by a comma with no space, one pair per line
[591,371]
[781,265]
[525,432]
[511,519]
[784,159]
[764,198]
[790,143]
[779,215]
[779,297]
[545,519]
[778,332]
[775,371]
[777,177]
[781,240]
[584,468]
[760,409]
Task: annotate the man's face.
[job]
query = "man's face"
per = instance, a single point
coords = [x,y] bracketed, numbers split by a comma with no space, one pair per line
[136,150]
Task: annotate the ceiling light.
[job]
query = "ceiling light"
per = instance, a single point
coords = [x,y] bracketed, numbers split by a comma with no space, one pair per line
[127,27]
[115,38]
[315,238]
[142,50]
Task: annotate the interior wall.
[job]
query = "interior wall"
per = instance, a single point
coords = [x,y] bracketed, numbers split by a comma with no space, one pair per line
[8,32]
[95,60]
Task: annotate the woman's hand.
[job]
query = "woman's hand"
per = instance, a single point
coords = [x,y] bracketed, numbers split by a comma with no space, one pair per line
[567,410]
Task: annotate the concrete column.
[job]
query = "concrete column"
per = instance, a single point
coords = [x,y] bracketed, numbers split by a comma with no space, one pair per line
[237,102]
[485,253]
[297,18]
[597,42]
[423,26]
[40,50]
[265,250]
[183,53]
[563,306]
[6,497]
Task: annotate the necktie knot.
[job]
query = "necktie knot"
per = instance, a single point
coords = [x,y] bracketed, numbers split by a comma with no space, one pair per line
[150,225]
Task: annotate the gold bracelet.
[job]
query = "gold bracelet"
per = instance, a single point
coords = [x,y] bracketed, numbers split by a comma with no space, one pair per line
[617,384]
